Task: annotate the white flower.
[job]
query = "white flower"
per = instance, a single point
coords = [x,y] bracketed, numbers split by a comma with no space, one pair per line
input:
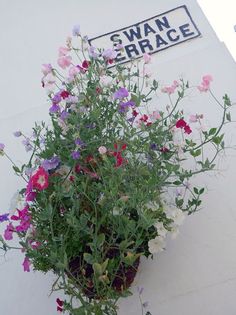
[102,150]
[156,245]
[17,202]
[152,205]
[106,80]
[175,214]
[160,229]
[174,232]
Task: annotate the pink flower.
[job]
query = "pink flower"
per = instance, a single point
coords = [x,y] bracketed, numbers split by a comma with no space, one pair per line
[171,89]
[64,61]
[46,68]
[102,150]
[73,71]
[147,58]
[26,264]
[205,84]
[40,179]
[155,116]
[63,51]
[8,232]
[193,118]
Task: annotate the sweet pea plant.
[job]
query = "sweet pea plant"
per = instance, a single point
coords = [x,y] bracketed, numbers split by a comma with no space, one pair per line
[96,184]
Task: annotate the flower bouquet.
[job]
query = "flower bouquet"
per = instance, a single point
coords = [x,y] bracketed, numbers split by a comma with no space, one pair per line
[100,183]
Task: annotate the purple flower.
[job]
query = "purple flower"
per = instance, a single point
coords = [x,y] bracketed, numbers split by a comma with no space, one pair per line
[79,142]
[2,146]
[153,146]
[4,217]
[50,164]
[91,126]
[93,52]
[56,98]
[123,107]
[75,155]
[54,108]
[26,143]
[121,93]
[17,134]
[76,30]
[64,115]
[109,54]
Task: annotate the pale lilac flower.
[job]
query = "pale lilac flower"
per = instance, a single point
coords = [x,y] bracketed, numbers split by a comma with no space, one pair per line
[73,71]
[76,30]
[27,144]
[121,93]
[102,150]
[46,68]
[93,52]
[17,134]
[109,54]
[50,164]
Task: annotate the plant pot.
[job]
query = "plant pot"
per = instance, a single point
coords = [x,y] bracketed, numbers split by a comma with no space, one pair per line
[122,280]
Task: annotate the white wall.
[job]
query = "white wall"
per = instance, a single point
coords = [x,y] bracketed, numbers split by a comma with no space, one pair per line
[197,273]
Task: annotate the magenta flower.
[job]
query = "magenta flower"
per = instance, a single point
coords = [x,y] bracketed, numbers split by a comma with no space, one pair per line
[24,218]
[8,232]
[60,304]
[121,93]
[26,264]
[40,179]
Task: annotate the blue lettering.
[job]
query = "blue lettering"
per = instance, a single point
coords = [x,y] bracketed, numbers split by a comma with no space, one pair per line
[162,23]
[185,30]
[148,29]
[160,41]
[133,34]
[145,43]
[131,49]
[171,38]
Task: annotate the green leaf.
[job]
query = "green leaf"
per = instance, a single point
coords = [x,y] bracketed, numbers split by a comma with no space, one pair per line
[228,116]
[88,258]
[100,239]
[212,131]
[97,268]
